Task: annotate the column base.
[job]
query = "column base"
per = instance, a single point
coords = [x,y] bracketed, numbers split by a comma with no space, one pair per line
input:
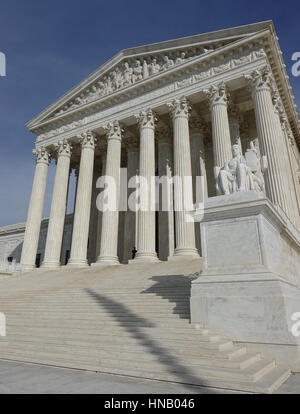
[50,265]
[77,263]
[28,268]
[144,258]
[184,253]
[107,261]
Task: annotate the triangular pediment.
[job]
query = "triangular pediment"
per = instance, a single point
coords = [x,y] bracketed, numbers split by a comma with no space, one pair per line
[135,65]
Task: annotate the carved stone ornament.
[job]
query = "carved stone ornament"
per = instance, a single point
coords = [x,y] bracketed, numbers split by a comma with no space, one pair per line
[134,70]
[260,79]
[63,148]
[42,155]
[217,94]
[114,130]
[88,140]
[180,107]
[147,119]
[241,173]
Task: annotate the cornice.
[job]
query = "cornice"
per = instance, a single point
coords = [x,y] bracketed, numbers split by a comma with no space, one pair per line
[130,90]
[228,34]
[193,82]
[265,38]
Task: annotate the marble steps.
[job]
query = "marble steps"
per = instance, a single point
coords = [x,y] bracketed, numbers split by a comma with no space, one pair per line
[87,351]
[105,317]
[123,321]
[166,295]
[115,314]
[134,350]
[135,338]
[66,323]
[178,326]
[232,360]
[142,351]
[159,304]
[270,378]
[97,332]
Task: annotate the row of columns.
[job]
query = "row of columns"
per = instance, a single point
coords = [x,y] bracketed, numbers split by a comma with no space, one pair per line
[272,145]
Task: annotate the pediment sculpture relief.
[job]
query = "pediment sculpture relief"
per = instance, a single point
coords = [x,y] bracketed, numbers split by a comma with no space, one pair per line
[134,70]
[241,173]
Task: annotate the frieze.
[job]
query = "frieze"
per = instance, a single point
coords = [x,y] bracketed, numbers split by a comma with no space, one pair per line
[134,70]
[195,77]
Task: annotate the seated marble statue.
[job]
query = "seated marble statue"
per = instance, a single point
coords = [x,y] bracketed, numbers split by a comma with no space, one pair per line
[241,173]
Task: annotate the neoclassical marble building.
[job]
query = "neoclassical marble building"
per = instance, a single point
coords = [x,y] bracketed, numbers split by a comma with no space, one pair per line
[170,108]
[216,105]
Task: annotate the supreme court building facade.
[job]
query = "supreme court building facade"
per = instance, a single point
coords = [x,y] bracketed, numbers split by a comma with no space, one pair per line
[216,105]
[172,108]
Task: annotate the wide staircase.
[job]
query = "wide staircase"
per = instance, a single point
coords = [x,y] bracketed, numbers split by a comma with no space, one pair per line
[130,320]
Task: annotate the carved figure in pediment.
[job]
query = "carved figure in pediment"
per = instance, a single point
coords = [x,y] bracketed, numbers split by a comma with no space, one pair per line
[91,93]
[145,69]
[137,71]
[100,88]
[168,63]
[107,85]
[154,67]
[128,72]
[116,79]
[180,59]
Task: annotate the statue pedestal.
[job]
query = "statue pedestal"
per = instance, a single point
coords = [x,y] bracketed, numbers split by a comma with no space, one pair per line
[250,284]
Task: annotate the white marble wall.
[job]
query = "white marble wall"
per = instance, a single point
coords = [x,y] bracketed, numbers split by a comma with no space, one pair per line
[11,240]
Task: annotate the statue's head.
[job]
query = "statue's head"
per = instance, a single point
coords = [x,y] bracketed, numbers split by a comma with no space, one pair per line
[236,150]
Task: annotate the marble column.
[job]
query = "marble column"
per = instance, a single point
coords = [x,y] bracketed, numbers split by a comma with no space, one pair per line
[110,217]
[183,194]
[58,207]
[166,209]
[99,222]
[283,159]
[92,252]
[197,129]
[35,209]
[261,84]
[220,124]
[78,257]
[146,214]
[234,125]
[293,183]
[130,226]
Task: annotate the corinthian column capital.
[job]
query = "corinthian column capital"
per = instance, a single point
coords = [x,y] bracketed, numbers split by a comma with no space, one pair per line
[114,130]
[180,107]
[217,94]
[63,148]
[260,79]
[42,155]
[147,119]
[88,140]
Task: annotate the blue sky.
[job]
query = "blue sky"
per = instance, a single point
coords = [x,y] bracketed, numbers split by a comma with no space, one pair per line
[51,45]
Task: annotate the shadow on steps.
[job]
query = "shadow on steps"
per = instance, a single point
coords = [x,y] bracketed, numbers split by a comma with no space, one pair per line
[174,288]
[152,347]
